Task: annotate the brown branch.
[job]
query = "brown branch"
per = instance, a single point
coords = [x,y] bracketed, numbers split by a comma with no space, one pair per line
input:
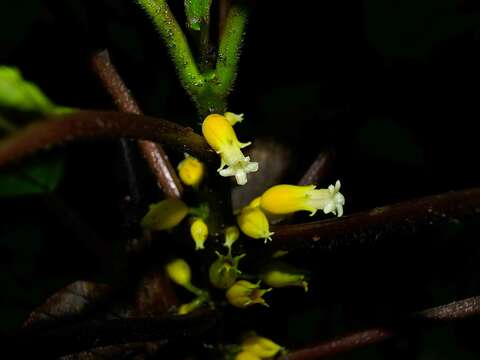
[49,344]
[452,311]
[398,219]
[153,153]
[100,124]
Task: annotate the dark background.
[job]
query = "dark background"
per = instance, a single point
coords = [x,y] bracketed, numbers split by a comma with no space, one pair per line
[391,85]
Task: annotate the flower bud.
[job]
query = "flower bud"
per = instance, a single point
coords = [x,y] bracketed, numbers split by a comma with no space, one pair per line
[231,235]
[165,214]
[219,134]
[260,346]
[245,355]
[179,271]
[244,293]
[191,171]
[224,271]
[279,274]
[253,223]
[199,232]
[286,199]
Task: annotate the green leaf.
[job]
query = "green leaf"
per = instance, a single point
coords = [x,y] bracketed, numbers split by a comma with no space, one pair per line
[198,13]
[33,177]
[19,94]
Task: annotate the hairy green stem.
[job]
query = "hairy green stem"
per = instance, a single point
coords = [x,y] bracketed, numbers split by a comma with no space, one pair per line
[229,49]
[208,90]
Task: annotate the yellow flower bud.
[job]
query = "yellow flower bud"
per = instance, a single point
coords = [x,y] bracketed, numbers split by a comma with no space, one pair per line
[224,271]
[231,235]
[253,223]
[245,355]
[179,271]
[187,308]
[260,346]
[244,293]
[191,171]
[286,199]
[279,274]
[233,118]
[165,214]
[199,232]
[220,135]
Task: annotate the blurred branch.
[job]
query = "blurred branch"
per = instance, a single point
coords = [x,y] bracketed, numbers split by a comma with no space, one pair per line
[99,333]
[452,311]
[379,223]
[319,169]
[97,124]
[153,153]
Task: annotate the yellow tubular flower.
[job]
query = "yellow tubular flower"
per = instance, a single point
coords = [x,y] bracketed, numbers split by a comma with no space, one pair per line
[199,232]
[220,135]
[279,274]
[245,355]
[165,214]
[233,118]
[286,199]
[253,223]
[244,293]
[260,346]
[179,271]
[191,171]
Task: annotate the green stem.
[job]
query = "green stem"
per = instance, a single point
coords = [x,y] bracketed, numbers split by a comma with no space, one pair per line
[229,49]
[177,45]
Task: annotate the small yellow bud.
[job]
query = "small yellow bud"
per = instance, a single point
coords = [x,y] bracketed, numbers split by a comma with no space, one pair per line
[191,171]
[286,199]
[224,271]
[253,223]
[279,274]
[220,135]
[245,355]
[165,214]
[187,308]
[244,293]
[179,271]
[260,346]
[199,232]
[231,235]
[233,118]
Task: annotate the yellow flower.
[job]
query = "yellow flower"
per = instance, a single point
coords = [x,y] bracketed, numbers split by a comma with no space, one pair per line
[165,214]
[260,346]
[245,355]
[233,118]
[199,232]
[279,274]
[253,223]
[220,135]
[244,293]
[231,235]
[191,171]
[286,199]
[179,271]
[224,271]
